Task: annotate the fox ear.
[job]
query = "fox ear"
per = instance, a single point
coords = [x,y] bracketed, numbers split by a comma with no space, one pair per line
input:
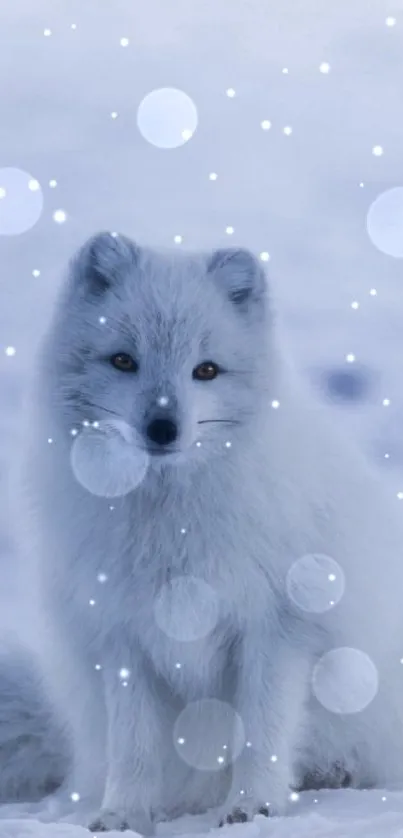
[239,273]
[100,262]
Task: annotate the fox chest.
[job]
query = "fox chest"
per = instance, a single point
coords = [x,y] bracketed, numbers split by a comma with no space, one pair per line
[184,598]
[187,630]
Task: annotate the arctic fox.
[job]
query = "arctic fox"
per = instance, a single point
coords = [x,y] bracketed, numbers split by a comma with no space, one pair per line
[217,622]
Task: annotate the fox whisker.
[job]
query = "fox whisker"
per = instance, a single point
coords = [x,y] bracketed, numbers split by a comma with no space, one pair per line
[227,421]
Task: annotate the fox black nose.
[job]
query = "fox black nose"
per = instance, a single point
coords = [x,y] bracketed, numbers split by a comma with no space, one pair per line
[162,431]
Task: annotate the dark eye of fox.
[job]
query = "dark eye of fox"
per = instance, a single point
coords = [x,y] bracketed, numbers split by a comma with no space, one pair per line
[205,371]
[124,362]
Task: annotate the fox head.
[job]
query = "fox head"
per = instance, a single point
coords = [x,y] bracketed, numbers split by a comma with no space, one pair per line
[176,345]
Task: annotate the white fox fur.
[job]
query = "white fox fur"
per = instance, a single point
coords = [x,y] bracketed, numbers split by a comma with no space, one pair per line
[235,517]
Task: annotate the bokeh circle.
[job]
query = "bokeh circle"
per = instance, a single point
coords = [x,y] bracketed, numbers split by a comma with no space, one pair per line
[105,459]
[209,734]
[385,222]
[21,201]
[167,117]
[315,583]
[187,608]
[345,680]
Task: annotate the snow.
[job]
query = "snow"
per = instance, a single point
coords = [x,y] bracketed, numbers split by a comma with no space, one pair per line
[299,132]
[328,814]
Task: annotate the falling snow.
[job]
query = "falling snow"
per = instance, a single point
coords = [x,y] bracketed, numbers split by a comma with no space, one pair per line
[255,159]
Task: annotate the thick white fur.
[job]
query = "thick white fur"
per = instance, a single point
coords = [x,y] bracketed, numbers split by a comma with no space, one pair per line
[287,486]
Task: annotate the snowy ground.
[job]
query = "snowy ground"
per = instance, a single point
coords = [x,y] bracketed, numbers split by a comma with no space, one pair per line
[302,196]
[336,814]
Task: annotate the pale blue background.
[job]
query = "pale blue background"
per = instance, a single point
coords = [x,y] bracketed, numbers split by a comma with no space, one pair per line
[297,197]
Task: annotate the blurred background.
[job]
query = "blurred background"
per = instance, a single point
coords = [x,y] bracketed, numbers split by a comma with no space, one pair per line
[272,124]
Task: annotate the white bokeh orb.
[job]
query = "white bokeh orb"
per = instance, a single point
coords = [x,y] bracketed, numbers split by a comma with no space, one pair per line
[186,608]
[167,117]
[105,459]
[385,222]
[345,680]
[21,202]
[209,734]
[59,216]
[315,583]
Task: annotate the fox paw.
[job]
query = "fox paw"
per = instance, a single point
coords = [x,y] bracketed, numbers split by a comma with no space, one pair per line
[241,815]
[243,807]
[121,821]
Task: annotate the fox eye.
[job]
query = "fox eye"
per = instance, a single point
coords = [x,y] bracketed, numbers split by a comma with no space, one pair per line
[124,362]
[206,371]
